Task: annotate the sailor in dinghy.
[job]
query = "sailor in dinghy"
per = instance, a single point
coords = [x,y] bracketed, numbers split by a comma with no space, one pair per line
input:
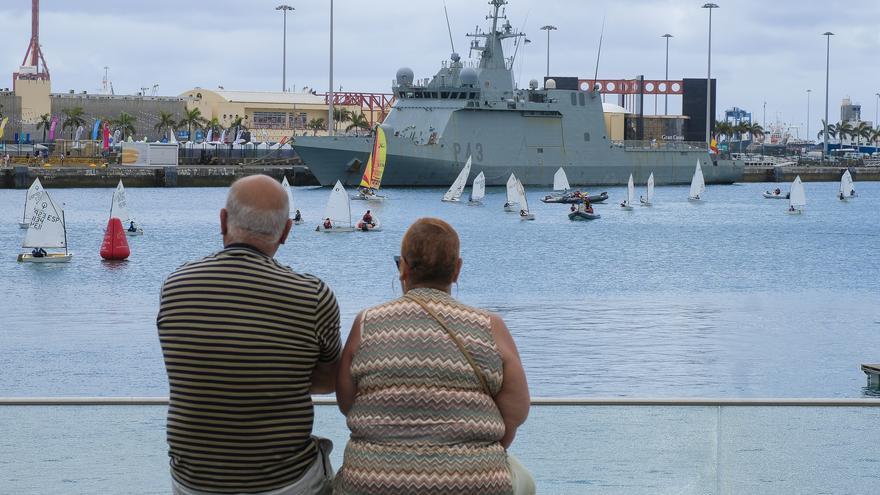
[369,223]
[119,209]
[46,230]
[337,213]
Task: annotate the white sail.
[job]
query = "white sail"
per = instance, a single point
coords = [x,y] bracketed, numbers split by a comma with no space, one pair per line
[521,197]
[457,188]
[478,191]
[630,191]
[286,186]
[698,184]
[649,197]
[119,206]
[560,181]
[338,208]
[512,195]
[34,193]
[847,187]
[798,197]
[47,225]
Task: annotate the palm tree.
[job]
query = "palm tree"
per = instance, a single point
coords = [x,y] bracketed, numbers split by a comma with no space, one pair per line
[875,135]
[192,120]
[359,122]
[316,125]
[166,121]
[723,128]
[45,123]
[832,131]
[125,123]
[214,125]
[862,131]
[755,130]
[844,130]
[341,116]
[73,118]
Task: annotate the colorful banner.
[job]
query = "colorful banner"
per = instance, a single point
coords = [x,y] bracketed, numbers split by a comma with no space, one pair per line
[95,130]
[3,126]
[52,128]
[106,136]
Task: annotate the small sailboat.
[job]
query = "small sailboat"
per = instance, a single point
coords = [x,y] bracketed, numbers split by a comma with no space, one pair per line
[511,203]
[798,197]
[372,178]
[30,200]
[648,199]
[478,190]
[560,183]
[630,195]
[524,213]
[698,184]
[297,217]
[337,214]
[46,230]
[453,195]
[847,189]
[119,209]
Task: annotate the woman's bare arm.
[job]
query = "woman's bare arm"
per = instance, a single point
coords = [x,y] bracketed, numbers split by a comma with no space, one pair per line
[513,399]
[346,390]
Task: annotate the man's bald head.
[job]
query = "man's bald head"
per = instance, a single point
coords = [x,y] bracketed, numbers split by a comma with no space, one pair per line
[257,212]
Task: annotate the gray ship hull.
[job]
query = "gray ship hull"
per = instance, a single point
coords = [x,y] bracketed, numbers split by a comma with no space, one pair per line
[343,158]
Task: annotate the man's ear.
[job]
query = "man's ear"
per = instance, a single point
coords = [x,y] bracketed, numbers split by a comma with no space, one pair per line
[286,232]
[224,216]
[457,271]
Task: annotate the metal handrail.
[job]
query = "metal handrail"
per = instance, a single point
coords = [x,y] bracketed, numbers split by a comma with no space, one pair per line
[538,401]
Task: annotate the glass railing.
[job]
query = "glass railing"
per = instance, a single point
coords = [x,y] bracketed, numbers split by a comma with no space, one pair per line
[572,446]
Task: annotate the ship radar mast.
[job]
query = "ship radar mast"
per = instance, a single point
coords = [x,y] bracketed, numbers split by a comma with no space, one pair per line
[492,54]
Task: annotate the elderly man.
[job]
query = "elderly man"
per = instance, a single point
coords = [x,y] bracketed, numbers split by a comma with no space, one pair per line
[246,340]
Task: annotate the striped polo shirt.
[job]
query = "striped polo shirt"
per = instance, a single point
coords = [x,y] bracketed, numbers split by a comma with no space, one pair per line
[241,335]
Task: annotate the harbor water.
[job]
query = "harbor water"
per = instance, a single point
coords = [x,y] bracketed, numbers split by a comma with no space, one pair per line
[729,298]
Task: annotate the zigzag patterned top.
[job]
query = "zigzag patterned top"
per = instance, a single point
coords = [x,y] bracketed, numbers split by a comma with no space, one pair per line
[421,422]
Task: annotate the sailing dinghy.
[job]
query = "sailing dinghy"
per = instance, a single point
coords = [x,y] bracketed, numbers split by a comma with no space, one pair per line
[630,195]
[453,195]
[698,184]
[46,230]
[119,209]
[797,198]
[478,190]
[30,200]
[511,203]
[337,214]
[297,219]
[372,178]
[847,189]
[524,213]
[560,184]
[648,199]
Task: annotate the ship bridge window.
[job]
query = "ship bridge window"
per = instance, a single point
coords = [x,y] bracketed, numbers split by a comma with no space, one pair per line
[574,100]
[540,151]
[586,136]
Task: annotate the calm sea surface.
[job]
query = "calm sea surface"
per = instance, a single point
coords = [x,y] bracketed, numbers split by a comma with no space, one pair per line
[731,298]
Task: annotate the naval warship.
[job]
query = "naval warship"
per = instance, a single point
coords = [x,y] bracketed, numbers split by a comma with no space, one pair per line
[477,112]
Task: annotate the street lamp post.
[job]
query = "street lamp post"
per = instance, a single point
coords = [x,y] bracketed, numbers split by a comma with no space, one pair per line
[709,6]
[764,127]
[809,92]
[877,111]
[284,9]
[330,92]
[827,36]
[548,28]
[667,36]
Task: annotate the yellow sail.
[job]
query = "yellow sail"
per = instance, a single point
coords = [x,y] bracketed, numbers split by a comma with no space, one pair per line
[367,179]
[380,151]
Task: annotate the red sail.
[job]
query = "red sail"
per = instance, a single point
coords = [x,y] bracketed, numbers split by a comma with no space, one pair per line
[115,245]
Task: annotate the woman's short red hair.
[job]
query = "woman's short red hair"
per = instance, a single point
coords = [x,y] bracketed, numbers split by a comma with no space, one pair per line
[430,248]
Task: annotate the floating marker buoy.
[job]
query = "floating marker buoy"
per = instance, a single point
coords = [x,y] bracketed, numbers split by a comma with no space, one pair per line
[115,245]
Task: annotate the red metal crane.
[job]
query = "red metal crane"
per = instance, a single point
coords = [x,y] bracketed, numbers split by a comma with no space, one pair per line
[34,64]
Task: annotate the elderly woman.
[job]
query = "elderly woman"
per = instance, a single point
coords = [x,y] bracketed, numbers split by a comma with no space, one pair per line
[433,390]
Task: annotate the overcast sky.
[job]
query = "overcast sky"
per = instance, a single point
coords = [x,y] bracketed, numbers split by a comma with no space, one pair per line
[763,50]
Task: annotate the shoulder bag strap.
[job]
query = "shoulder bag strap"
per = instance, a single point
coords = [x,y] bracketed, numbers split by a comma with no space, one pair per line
[456,339]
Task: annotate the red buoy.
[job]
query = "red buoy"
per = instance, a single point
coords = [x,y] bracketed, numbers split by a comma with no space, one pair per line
[115,245]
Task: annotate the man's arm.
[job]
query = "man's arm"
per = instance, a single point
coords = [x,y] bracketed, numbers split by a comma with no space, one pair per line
[323,378]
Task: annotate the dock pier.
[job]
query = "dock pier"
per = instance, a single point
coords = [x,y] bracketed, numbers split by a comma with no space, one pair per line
[873,372]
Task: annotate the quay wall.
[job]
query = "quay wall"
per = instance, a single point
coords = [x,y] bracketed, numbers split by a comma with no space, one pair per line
[809,174]
[21,177]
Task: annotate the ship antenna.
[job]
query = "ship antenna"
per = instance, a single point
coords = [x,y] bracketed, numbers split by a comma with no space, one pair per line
[448,26]
[599,53]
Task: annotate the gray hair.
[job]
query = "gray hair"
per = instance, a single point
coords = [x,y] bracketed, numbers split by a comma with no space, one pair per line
[244,219]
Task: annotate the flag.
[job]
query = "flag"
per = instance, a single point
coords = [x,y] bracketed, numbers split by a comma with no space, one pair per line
[713,145]
[95,130]
[52,128]
[3,126]
[106,136]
